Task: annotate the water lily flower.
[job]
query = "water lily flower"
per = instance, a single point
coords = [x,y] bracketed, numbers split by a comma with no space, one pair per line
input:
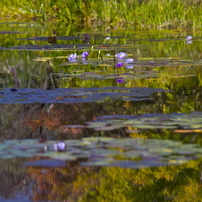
[119,80]
[129,66]
[60,146]
[129,60]
[84,55]
[72,57]
[119,64]
[121,55]
[189,38]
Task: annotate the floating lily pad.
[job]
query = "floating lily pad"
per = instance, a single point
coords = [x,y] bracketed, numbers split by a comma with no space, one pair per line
[59,155]
[131,153]
[186,122]
[73,95]
[103,75]
[56,47]
[46,162]
[165,62]
[46,38]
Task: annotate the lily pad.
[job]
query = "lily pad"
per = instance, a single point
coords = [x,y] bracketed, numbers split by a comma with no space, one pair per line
[46,162]
[73,95]
[46,38]
[126,152]
[56,47]
[186,122]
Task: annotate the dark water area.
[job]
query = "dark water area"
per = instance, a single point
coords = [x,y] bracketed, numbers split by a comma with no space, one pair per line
[123,123]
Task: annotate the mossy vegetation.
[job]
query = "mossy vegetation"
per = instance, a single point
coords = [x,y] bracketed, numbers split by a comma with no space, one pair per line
[140,13]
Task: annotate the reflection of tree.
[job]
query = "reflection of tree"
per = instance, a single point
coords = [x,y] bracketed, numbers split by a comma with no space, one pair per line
[14,179]
[171,183]
[56,184]
[77,183]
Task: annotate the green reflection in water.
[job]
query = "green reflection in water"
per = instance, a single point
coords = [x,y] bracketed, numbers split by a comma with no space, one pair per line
[23,69]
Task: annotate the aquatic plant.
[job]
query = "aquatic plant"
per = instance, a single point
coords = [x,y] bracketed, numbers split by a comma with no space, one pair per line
[84,55]
[72,57]
[119,64]
[121,55]
[59,146]
[189,38]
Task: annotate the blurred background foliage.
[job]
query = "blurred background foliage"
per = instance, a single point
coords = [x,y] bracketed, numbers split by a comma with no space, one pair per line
[141,13]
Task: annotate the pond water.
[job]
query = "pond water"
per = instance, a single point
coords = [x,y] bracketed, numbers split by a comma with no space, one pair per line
[99,114]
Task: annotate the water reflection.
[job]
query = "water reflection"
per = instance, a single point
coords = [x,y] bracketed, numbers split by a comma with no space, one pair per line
[74,183]
[161,59]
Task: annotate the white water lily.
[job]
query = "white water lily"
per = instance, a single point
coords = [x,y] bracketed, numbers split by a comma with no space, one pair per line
[189,37]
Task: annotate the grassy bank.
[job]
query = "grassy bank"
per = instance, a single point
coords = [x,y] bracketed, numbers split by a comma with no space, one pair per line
[142,13]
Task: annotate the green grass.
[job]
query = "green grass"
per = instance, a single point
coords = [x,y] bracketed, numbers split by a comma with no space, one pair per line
[140,13]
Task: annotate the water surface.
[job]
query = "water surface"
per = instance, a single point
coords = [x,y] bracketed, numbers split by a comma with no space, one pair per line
[46,100]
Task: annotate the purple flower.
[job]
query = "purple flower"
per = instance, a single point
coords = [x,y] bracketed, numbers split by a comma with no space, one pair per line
[60,146]
[189,38]
[72,57]
[84,55]
[129,60]
[119,64]
[121,55]
[119,80]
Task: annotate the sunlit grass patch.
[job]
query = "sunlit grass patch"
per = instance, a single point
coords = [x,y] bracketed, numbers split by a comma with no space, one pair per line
[150,13]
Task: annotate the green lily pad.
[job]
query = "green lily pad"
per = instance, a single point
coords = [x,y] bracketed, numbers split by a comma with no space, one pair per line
[132,153]
[59,155]
[190,121]
[72,95]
